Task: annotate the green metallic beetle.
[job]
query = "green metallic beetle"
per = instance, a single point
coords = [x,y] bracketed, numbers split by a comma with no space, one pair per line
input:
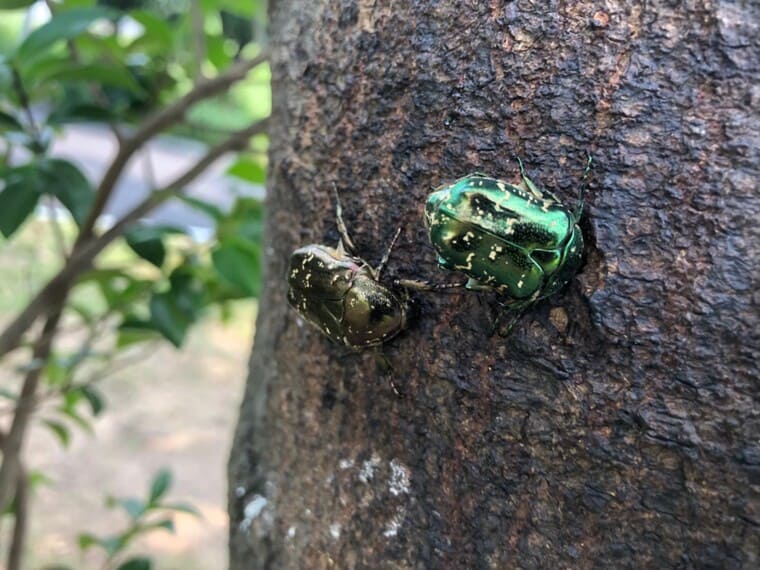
[342,295]
[519,241]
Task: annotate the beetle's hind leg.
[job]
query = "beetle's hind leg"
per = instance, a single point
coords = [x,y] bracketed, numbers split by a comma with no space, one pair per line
[348,245]
[514,316]
[387,369]
[497,316]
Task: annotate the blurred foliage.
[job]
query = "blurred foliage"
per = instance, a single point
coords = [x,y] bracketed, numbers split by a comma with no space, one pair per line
[114,62]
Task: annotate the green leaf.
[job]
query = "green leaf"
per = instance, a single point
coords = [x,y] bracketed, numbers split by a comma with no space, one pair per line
[57,371]
[38,478]
[87,540]
[82,422]
[157,32]
[216,51]
[248,170]
[133,331]
[183,508]
[166,524]
[169,318]
[137,563]
[63,26]
[238,262]
[244,221]
[160,485]
[59,430]
[15,4]
[147,243]
[17,200]
[112,74]
[67,183]
[207,208]
[9,123]
[135,508]
[81,112]
[113,544]
[240,7]
[94,398]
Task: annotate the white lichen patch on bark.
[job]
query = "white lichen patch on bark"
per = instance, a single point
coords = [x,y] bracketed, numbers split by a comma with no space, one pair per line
[398,483]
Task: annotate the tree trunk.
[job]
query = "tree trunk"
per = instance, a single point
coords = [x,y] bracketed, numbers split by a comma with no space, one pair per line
[617,426]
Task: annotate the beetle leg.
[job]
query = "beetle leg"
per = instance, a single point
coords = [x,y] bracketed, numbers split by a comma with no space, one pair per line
[532,188]
[427,286]
[581,193]
[504,331]
[345,239]
[384,260]
[387,369]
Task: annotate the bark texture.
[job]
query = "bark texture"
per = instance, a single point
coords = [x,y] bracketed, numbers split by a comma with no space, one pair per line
[618,425]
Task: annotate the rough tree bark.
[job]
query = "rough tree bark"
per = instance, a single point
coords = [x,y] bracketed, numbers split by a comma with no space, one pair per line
[617,426]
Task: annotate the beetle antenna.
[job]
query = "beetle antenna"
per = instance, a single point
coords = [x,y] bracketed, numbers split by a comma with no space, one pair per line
[384,260]
[582,192]
[345,239]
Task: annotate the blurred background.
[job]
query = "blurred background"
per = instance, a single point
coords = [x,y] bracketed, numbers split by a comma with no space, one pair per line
[132,170]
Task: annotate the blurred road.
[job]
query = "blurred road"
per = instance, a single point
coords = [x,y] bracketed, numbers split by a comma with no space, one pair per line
[92,147]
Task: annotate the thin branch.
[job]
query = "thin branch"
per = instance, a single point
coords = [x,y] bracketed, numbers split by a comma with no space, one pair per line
[154,124]
[23,99]
[236,141]
[82,256]
[18,539]
[9,470]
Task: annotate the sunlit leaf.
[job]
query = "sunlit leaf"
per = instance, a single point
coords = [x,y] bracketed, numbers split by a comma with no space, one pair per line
[248,170]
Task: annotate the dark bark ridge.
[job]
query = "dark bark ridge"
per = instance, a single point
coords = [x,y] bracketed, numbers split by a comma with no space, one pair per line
[617,425]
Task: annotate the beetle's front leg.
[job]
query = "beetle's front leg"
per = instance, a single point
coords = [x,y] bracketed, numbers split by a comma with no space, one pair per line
[416,285]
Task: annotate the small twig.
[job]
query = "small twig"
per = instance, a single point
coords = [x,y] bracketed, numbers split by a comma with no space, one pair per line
[153,125]
[23,98]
